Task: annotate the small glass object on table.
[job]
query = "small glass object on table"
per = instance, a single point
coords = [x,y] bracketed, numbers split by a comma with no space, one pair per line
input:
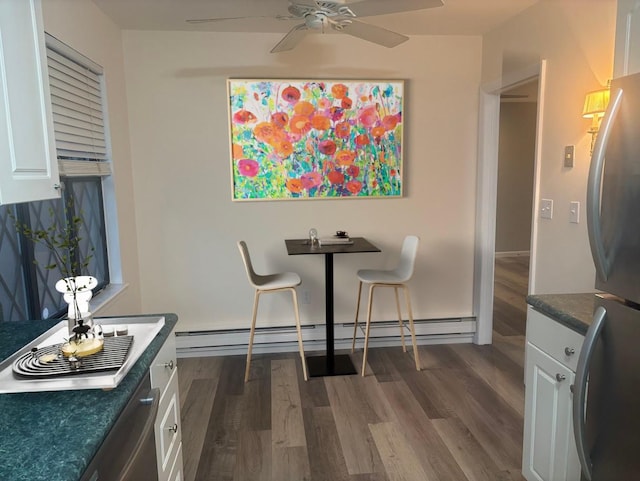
[313,237]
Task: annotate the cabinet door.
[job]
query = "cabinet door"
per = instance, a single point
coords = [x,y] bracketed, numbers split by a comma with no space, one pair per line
[168,428]
[549,452]
[28,165]
[176,471]
[164,375]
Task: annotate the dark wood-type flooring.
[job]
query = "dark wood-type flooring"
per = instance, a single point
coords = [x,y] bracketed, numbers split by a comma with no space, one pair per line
[460,418]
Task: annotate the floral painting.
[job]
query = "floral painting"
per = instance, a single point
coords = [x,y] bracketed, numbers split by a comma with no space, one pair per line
[316,139]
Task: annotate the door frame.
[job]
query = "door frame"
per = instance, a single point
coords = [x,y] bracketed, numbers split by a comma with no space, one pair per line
[486,193]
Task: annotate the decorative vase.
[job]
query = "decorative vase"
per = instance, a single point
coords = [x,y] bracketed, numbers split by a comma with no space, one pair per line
[77,292]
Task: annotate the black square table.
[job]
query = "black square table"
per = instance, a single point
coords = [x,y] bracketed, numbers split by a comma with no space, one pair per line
[329,364]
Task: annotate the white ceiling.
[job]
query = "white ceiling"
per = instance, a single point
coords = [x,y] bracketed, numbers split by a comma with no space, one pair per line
[456,17]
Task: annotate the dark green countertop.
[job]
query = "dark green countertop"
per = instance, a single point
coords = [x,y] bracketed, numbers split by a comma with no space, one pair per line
[52,436]
[572,310]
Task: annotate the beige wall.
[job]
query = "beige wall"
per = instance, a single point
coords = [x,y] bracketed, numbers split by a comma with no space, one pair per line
[516,158]
[81,25]
[188,226]
[174,175]
[576,37]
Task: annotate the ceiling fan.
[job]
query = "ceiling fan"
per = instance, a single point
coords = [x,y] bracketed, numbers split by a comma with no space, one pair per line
[320,15]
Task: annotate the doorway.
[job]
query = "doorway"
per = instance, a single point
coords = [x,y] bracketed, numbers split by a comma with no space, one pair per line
[514,205]
[486,197]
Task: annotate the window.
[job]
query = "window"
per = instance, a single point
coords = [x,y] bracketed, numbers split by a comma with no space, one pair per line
[26,288]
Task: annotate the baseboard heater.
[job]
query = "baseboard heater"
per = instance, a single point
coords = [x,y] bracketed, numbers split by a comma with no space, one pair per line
[227,342]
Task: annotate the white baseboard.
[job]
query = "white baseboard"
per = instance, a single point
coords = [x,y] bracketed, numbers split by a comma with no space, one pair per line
[284,339]
[512,253]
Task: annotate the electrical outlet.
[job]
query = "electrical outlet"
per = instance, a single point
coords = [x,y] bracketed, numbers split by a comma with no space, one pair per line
[546,209]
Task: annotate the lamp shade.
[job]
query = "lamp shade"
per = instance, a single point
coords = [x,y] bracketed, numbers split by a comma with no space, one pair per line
[595,103]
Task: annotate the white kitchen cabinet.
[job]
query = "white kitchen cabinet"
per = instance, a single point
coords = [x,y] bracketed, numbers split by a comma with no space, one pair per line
[549,450]
[176,471]
[627,47]
[28,164]
[168,433]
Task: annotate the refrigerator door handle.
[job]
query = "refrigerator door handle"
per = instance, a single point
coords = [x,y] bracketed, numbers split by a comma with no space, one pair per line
[580,389]
[594,184]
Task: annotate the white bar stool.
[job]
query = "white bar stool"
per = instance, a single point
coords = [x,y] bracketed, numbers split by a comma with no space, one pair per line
[284,281]
[396,278]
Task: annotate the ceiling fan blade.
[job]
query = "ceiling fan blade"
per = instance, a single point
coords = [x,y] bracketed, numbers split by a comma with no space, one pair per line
[369,8]
[196,21]
[372,33]
[291,39]
[211,20]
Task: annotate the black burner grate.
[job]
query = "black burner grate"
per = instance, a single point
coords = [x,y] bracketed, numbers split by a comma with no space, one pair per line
[112,357]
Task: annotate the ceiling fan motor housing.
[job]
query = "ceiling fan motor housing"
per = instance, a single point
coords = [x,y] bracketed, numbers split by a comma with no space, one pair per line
[315,20]
[323,14]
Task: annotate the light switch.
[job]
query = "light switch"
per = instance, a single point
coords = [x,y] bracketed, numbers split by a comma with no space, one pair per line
[574,212]
[569,152]
[546,209]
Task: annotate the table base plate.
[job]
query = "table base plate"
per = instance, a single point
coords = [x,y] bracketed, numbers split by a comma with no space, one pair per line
[342,366]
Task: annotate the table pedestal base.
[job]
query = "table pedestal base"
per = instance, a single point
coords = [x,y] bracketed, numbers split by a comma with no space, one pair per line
[317,366]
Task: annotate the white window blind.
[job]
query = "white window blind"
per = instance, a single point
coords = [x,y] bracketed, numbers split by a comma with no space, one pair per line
[78,115]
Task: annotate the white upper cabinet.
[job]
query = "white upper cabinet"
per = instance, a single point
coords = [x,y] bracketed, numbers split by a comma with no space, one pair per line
[627,53]
[28,165]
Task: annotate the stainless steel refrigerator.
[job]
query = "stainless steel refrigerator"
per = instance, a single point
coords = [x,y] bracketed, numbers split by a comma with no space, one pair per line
[606,403]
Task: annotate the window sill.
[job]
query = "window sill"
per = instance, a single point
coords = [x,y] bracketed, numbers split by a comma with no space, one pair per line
[106,296]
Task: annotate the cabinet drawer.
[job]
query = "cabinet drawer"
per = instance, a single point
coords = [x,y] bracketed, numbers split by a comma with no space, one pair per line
[164,364]
[560,342]
[167,427]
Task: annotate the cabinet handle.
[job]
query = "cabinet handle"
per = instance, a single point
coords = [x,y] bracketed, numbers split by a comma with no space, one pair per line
[173,429]
[169,365]
[569,351]
[560,377]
